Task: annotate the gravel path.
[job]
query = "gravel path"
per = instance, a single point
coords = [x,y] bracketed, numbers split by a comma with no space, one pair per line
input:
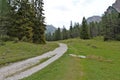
[16,71]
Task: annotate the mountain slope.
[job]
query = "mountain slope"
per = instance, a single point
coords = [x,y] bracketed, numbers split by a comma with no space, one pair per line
[94,19]
[50,29]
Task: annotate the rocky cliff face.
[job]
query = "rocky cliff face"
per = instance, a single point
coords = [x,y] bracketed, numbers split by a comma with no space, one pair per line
[116,5]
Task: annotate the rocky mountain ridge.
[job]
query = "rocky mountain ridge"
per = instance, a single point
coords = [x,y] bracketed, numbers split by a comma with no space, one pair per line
[114,8]
[116,5]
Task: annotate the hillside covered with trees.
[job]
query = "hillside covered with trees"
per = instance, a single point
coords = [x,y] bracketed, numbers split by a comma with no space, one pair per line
[108,26]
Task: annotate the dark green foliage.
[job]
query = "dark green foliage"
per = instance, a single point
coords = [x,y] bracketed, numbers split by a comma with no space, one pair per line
[4,9]
[118,37]
[71,30]
[6,38]
[39,28]
[4,16]
[76,30]
[57,35]
[84,34]
[27,21]
[3,25]
[111,26]
[2,43]
[100,29]
[64,33]
[94,29]
[49,37]
[23,22]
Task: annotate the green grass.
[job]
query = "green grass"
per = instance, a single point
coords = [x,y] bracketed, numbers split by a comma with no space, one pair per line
[60,70]
[12,52]
[102,63]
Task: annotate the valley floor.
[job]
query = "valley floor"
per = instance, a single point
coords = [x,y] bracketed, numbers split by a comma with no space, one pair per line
[101,62]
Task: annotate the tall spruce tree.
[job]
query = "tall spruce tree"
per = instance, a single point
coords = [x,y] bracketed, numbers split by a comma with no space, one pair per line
[64,33]
[39,28]
[71,30]
[76,30]
[57,35]
[84,33]
[93,29]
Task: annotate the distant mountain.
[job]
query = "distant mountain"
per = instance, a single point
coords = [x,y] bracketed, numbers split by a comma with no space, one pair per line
[94,19]
[116,5]
[50,29]
[114,8]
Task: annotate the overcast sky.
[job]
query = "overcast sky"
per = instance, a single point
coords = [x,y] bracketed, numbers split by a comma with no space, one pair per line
[61,12]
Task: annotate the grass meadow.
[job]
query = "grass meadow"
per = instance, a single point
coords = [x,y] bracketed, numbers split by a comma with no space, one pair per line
[12,52]
[102,62]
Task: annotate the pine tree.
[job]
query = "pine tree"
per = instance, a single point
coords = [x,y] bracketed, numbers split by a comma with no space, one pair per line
[84,34]
[71,30]
[4,17]
[93,29]
[39,28]
[100,28]
[64,33]
[49,37]
[76,30]
[57,34]
[23,21]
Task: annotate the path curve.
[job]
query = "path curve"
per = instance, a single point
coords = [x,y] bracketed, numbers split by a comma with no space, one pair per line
[19,66]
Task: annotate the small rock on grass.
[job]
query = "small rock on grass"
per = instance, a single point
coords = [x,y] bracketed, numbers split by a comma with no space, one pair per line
[79,56]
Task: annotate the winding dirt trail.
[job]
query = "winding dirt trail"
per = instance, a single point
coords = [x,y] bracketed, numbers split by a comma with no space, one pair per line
[19,70]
